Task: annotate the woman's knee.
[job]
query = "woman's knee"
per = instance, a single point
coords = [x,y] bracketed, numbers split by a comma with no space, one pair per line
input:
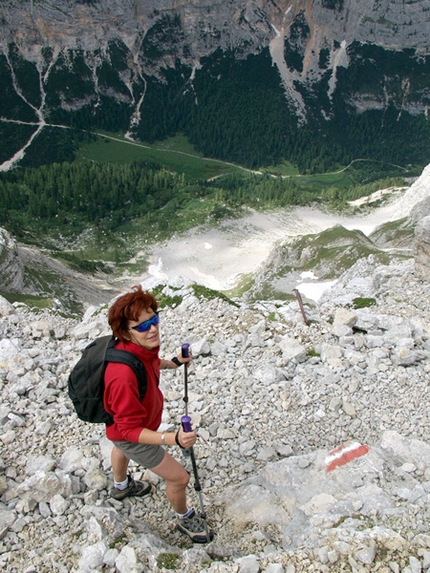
[179,480]
[118,457]
[172,471]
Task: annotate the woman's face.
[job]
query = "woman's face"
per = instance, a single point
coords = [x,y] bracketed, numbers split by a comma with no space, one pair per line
[145,331]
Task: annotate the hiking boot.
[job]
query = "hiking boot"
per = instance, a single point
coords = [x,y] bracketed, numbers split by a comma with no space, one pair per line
[194,527]
[135,487]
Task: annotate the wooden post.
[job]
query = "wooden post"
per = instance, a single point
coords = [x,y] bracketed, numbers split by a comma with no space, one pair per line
[299,298]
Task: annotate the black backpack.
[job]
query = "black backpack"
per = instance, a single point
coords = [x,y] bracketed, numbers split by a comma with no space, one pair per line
[86,380]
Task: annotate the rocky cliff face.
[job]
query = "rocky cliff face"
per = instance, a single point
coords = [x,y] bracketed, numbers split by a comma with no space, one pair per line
[208,25]
[28,271]
[154,60]
[323,28]
[11,266]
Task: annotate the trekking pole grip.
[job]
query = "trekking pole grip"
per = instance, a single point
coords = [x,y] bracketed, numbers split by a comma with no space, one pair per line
[186,424]
[185,350]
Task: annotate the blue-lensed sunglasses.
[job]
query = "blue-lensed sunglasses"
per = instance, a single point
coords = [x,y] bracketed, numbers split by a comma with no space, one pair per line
[146,324]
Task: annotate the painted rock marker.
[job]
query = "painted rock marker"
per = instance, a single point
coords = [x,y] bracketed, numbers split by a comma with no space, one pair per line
[344,454]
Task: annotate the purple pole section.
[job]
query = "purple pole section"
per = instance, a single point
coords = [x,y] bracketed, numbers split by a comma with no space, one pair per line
[186,424]
[185,350]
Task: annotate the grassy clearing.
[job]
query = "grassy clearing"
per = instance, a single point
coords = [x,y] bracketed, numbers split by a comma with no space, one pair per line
[178,154]
[38,303]
[75,261]
[393,231]
[33,302]
[51,286]
[284,169]
[201,292]
[175,154]
[243,284]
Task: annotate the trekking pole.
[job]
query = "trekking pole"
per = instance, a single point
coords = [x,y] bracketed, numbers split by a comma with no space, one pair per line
[185,351]
[186,426]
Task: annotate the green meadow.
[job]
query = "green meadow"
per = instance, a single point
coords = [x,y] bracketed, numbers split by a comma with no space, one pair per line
[174,154]
[178,155]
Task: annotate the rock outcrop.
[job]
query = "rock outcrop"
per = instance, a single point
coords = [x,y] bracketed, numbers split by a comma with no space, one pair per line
[11,266]
[27,270]
[422,248]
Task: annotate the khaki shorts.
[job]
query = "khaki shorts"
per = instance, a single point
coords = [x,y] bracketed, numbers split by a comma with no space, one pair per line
[147,456]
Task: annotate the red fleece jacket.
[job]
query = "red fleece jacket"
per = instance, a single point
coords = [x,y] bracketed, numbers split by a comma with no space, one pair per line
[121,397]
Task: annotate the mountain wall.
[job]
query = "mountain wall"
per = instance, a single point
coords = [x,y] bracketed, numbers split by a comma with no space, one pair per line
[256,82]
[207,25]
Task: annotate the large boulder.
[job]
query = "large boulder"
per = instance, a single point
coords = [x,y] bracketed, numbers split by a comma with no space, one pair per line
[419,211]
[422,248]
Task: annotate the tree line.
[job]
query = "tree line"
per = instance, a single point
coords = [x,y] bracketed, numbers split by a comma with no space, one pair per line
[58,192]
[70,197]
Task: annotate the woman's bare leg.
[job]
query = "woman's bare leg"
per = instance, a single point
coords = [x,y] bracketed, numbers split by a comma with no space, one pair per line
[119,463]
[177,478]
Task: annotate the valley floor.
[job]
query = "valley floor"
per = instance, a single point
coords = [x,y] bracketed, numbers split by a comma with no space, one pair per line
[219,257]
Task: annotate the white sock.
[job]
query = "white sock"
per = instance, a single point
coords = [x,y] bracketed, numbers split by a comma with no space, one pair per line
[186,514]
[121,485]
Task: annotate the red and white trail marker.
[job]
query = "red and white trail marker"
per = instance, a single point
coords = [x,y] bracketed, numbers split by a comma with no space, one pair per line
[344,454]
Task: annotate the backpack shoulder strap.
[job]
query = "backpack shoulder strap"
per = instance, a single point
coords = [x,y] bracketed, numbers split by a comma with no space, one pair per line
[125,357]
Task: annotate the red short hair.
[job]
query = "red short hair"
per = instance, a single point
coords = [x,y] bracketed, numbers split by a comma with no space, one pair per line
[128,307]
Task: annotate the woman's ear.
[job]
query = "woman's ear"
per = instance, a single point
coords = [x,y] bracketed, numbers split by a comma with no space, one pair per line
[126,334]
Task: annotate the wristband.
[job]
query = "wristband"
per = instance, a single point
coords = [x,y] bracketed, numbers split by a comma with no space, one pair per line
[176,361]
[177,440]
[163,439]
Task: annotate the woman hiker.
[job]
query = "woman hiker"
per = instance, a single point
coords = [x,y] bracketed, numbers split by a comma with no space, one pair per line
[134,320]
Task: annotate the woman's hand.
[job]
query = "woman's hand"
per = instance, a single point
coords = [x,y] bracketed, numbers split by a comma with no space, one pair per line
[175,362]
[184,360]
[187,439]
